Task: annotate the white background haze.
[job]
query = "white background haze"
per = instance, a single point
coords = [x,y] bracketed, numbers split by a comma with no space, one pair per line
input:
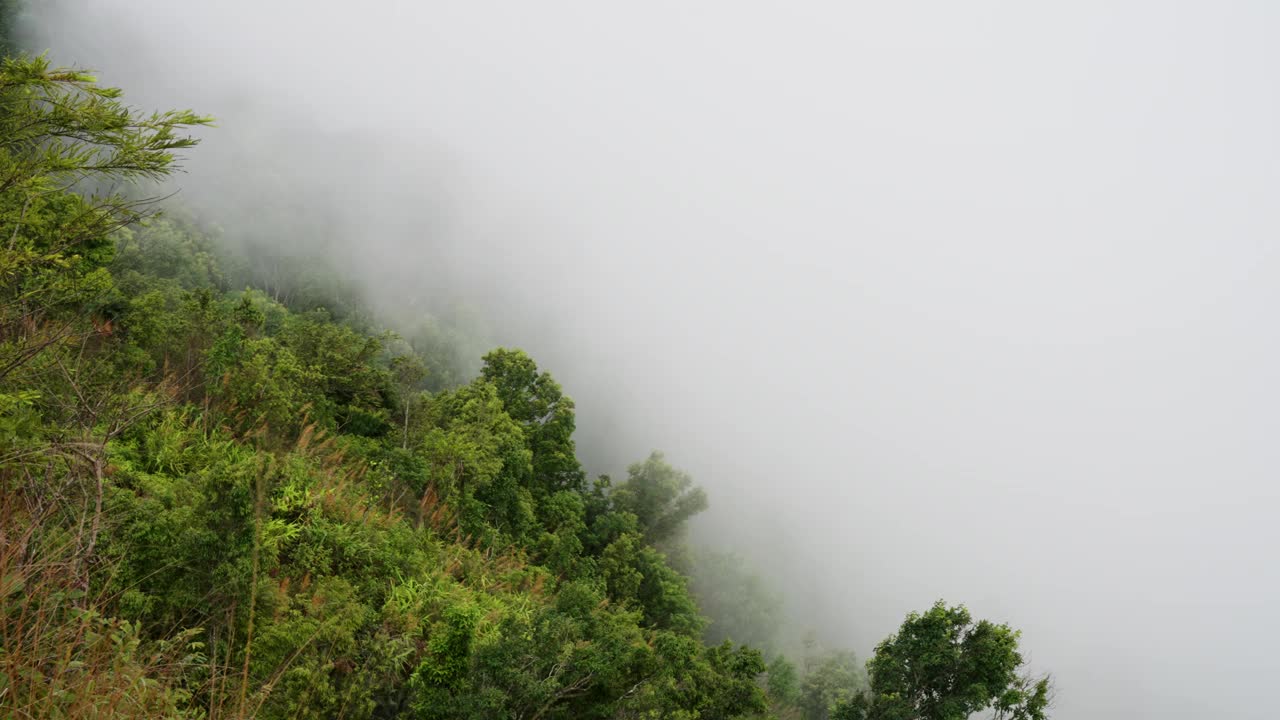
[972,301]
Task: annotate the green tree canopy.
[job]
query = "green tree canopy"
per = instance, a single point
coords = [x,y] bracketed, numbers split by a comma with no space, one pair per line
[942,665]
[661,497]
[535,401]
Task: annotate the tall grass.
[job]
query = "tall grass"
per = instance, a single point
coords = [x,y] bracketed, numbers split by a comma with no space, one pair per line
[63,655]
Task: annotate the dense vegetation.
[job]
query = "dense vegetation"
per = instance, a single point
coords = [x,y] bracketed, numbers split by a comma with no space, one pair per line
[220,500]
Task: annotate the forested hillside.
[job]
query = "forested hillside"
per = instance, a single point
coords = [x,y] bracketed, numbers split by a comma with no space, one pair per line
[223,498]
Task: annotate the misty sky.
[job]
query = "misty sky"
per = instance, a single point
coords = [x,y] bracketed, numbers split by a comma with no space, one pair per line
[963,300]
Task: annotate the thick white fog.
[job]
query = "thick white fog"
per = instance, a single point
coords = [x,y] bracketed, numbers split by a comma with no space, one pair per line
[972,301]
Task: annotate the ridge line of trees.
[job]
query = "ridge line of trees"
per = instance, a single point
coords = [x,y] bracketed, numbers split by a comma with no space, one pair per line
[217,505]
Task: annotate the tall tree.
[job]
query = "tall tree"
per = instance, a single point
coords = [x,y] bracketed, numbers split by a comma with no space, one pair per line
[534,399]
[408,372]
[941,665]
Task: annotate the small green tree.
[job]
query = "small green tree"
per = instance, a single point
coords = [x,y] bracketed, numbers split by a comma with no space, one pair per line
[941,665]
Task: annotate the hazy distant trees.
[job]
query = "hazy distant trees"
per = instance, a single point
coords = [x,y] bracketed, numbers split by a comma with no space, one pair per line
[941,665]
[8,19]
[830,680]
[741,606]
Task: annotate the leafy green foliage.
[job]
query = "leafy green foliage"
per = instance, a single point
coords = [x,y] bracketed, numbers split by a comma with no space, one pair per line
[941,665]
[60,130]
[65,394]
[534,400]
[661,497]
